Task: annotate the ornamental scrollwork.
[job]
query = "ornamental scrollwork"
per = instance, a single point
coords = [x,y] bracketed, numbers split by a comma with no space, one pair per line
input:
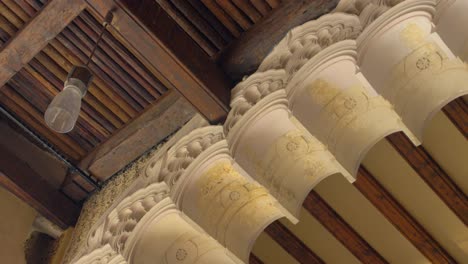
[305,41]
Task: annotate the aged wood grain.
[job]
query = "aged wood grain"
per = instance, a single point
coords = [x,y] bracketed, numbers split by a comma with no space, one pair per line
[246,53]
[254,259]
[293,245]
[180,65]
[434,176]
[148,129]
[457,112]
[49,22]
[343,232]
[400,218]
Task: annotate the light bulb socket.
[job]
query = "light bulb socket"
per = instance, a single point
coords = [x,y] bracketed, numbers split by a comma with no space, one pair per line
[80,77]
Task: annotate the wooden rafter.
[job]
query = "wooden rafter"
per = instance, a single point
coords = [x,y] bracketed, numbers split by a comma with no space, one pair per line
[30,40]
[163,118]
[254,259]
[182,65]
[342,231]
[400,218]
[293,245]
[432,174]
[457,112]
[20,179]
[246,53]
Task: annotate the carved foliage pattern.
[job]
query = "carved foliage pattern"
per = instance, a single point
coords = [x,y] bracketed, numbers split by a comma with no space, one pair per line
[249,92]
[122,220]
[181,155]
[103,255]
[367,10]
[305,41]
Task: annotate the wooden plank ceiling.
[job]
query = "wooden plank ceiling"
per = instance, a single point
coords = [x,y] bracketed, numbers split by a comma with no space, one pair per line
[163,53]
[121,90]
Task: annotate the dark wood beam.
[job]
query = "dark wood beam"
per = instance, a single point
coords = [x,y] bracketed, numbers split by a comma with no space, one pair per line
[457,112]
[167,115]
[254,259]
[400,218]
[245,54]
[432,174]
[293,245]
[343,232]
[20,179]
[172,55]
[36,34]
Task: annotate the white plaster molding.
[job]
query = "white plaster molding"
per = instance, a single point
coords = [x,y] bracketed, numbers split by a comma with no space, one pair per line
[451,20]
[270,144]
[102,255]
[305,41]
[334,101]
[217,194]
[147,226]
[416,72]
[43,225]
[366,10]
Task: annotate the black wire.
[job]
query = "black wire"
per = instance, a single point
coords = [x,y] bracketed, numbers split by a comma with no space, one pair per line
[97,43]
[49,147]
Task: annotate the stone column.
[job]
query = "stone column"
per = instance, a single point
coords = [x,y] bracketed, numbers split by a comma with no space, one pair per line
[410,65]
[271,145]
[210,188]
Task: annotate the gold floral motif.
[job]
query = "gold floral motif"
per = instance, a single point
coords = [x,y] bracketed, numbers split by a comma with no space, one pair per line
[347,109]
[226,197]
[420,68]
[292,155]
[413,36]
[189,247]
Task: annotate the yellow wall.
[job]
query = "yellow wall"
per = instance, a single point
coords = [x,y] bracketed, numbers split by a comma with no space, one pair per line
[16,218]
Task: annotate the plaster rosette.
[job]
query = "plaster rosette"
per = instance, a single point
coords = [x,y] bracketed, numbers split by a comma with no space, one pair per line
[451,21]
[271,146]
[409,64]
[210,188]
[146,227]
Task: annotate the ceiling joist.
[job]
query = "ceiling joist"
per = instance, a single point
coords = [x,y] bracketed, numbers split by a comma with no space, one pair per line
[400,218]
[30,40]
[293,245]
[342,231]
[432,174]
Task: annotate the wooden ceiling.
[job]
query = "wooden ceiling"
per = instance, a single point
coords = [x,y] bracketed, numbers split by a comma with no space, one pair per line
[162,60]
[121,90]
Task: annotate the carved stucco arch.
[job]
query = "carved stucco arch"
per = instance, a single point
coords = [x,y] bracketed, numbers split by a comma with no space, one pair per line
[224,185]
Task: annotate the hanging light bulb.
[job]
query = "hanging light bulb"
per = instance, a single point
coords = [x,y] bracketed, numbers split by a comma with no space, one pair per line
[63,111]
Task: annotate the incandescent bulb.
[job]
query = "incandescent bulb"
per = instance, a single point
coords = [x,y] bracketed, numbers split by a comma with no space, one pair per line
[63,111]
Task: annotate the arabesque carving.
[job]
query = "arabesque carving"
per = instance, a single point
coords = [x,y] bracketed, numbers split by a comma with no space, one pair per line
[305,41]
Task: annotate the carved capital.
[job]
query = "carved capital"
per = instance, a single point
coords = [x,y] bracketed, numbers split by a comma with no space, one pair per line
[305,41]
